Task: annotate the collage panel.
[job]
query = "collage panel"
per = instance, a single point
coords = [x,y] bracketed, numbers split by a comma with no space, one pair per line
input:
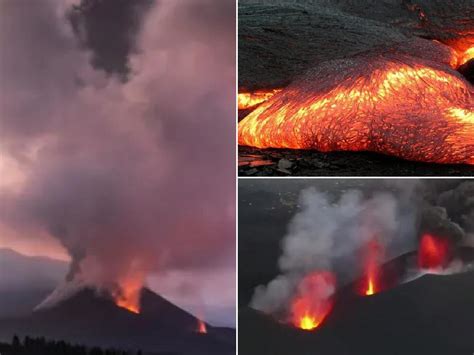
[117,177]
[355,88]
[356,266]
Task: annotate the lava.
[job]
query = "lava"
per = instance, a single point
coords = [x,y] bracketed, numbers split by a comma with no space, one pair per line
[202,328]
[393,104]
[373,257]
[250,99]
[313,301]
[463,50]
[127,294]
[433,252]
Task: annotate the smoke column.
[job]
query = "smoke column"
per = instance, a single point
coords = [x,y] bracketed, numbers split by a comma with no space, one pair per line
[134,176]
[329,230]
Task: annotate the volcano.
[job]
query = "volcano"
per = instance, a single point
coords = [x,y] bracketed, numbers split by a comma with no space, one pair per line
[433,314]
[93,318]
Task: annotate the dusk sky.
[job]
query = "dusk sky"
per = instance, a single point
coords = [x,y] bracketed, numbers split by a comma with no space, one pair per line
[117,134]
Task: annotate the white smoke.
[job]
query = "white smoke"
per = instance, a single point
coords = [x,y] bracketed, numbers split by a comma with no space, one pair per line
[329,233]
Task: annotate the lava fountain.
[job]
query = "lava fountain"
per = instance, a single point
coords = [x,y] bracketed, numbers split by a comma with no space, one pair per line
[201,328]
[391,103]
[313,301]
[127,294]
[373,256]
[434,253]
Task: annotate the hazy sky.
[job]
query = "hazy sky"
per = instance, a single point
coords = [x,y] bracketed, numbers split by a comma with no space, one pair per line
[115,138]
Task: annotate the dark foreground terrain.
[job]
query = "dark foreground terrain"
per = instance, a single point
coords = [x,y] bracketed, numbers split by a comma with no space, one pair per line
[94,320]
[431,315]
[290,162]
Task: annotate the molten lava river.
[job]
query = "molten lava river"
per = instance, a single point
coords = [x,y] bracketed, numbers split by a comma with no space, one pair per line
[390,103]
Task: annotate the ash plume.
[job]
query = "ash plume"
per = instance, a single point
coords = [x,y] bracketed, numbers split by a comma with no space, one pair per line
[331,228]
[131,177]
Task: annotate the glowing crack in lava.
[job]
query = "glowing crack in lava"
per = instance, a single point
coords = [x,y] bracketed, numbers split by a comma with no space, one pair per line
[373,257]
[313,302]
[250,99]
[202,329]
[463,50]
[393,104]
[433,252]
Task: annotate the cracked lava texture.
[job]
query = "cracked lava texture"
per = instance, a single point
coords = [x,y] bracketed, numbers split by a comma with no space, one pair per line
[391,103]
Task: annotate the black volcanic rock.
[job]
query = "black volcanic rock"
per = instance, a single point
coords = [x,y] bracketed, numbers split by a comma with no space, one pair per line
[279,40]
[93,319]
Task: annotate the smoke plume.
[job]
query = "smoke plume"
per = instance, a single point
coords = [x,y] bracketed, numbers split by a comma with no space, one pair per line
[330,230]
[131,177]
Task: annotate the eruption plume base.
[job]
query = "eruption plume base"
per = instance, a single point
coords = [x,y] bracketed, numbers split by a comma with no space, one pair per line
[202,329]
[313,300]
[433,252]
[373,257]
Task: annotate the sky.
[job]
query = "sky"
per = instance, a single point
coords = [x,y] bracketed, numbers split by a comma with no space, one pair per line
[115,138]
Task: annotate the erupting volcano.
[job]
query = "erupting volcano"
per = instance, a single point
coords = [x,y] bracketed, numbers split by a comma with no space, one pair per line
[373,257]
[389,103]
[433,253]
[313,300]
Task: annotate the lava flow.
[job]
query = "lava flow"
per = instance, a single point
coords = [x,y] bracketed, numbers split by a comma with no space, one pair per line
[394,104]
[250,99]
[434,253]
[463,50]
[371,281]
[313,301]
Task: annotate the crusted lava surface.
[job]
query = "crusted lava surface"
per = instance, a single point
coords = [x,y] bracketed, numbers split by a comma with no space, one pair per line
[356,80]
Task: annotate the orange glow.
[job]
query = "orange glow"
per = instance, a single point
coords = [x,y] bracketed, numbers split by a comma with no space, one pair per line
[463,50]
[370,289]
[308,322]
[313,300]
[433,252]
[124,303]
[373,258]
[396,106]
[128,294]
[249,99]
[201,327]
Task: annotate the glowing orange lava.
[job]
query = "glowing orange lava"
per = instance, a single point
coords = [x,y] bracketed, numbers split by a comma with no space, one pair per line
[127,295]
[433,252]
[249,99]
[463,50]
[201,327]
[370,289]
[391,104]
[373,258]
[313,300]
[308,322]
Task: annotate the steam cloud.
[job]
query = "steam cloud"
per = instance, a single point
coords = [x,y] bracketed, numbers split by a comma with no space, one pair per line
[329,232]
[131,177]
